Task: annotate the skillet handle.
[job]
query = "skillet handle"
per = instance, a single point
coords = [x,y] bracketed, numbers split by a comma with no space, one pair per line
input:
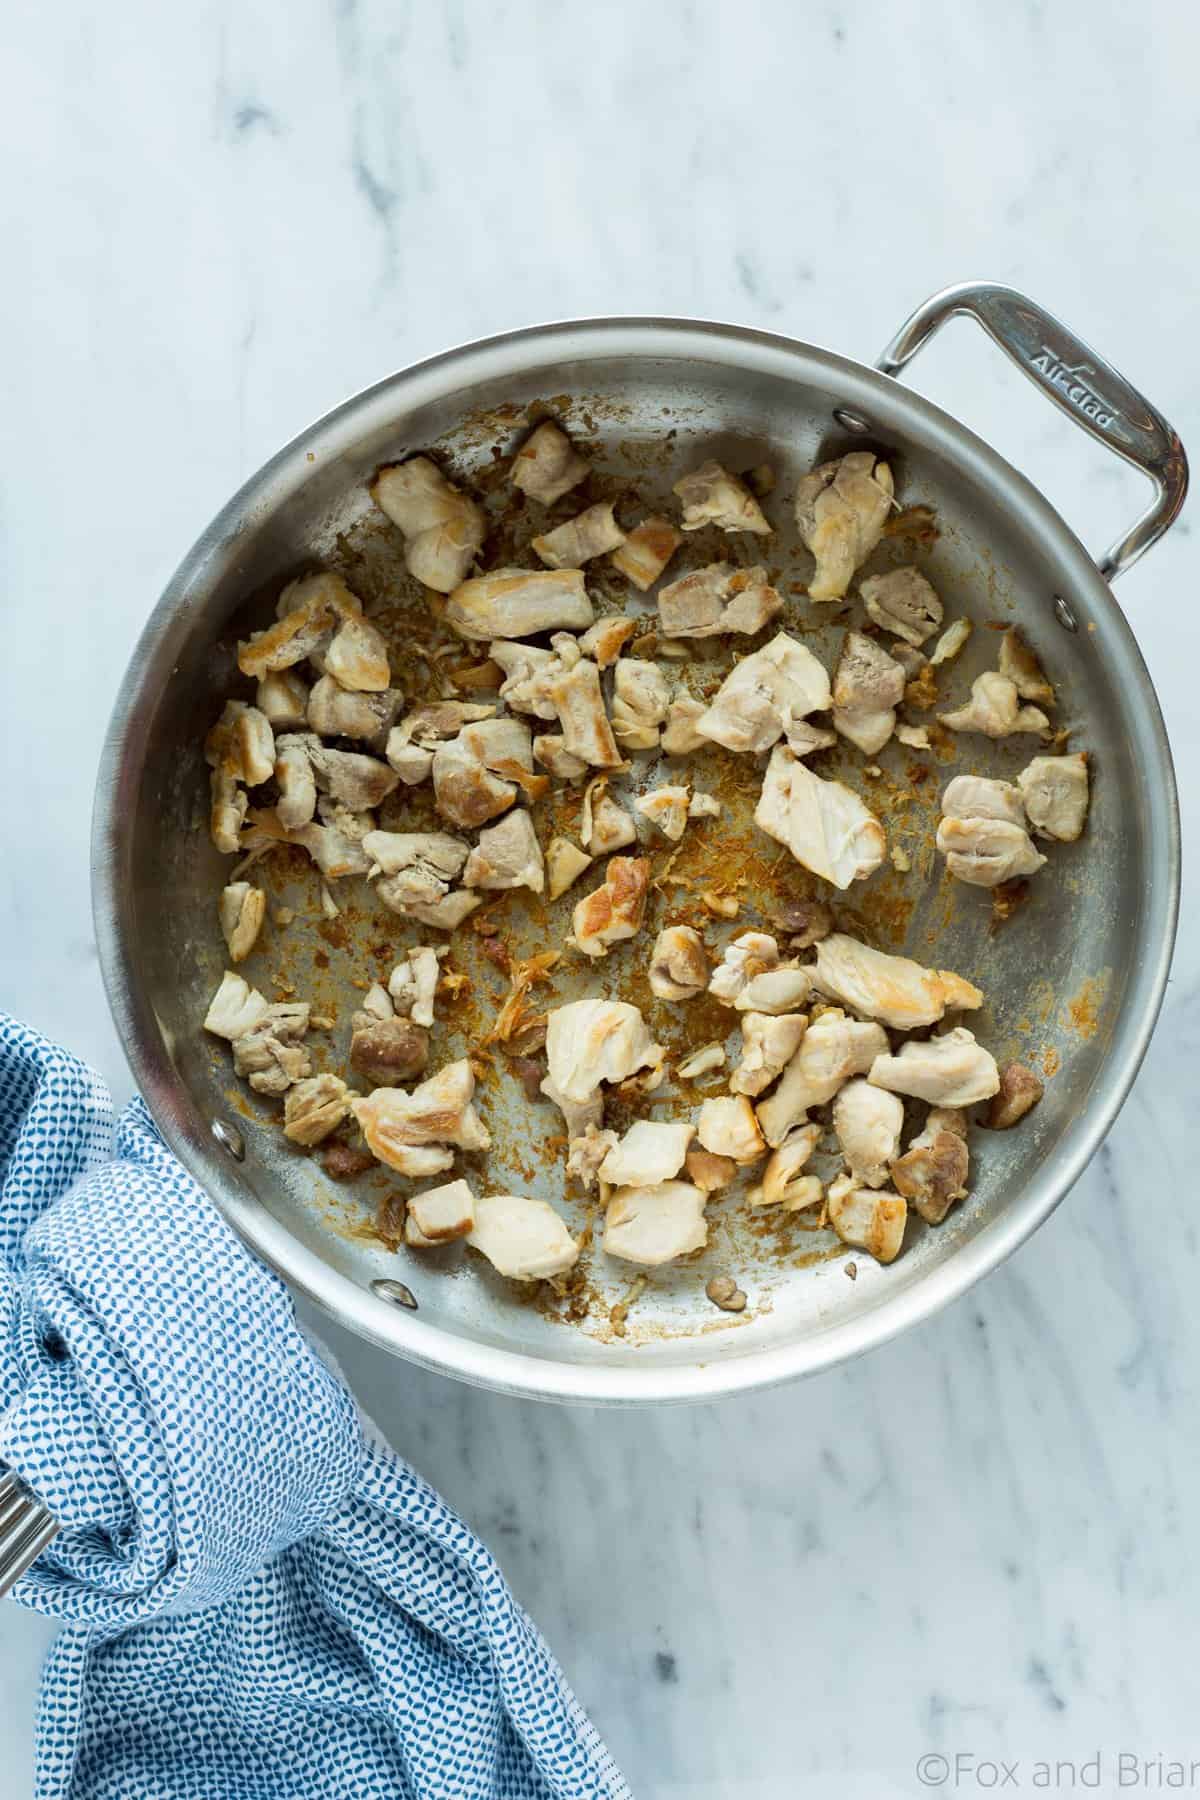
[25,1529]
[1088,389]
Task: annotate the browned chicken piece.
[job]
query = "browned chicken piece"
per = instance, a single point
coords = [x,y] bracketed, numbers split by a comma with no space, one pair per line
[272,1057]
[586,1153]
[282,698]
[603,824]
[742,961]
[667,810]
[474,774]
[784,1182]
[355,781]
[550,751]
[604,641]
[565,863]
[716,600]
[507,855]
[710,495]
[952,1070]
[613,911]
[641,701]
[650,1152]
[776,991]
[341,1162]
[870,1219]
[417,867]
[438,1112]
[778,684]
[987,852]
[440,1215]
[841,509]
[443,528]
[932,1173]
[1018,1093]
[336,843]
[569,546]
[413,984]
[769,1041]
[242,911]
[387,1052]
[867,1122]
[894,989]
[1054,790]
[804,922]
[309,609]
[1023,669]
[579,703]
[903,603]
[646,551]
[411,743]
[868,685]
[518,603]
[950,642]
[242,744]
[357,656]
[528,673]
[655,1225]
[592,1042]
[823,823]
[914,737]
[334,711]
[708,1172]
[547,465]
[296,779]
[227,812]
[678,964]
[701,1062]
[994,709]
[314,1108]
[679,736]
[235,1009]
[832,1050]
[727,1127]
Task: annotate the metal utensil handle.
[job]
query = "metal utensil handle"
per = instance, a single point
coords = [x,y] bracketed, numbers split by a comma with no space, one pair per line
[1086,387]
[25,1529]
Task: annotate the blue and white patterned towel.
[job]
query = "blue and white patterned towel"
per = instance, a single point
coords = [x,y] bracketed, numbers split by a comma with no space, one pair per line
[258,1602]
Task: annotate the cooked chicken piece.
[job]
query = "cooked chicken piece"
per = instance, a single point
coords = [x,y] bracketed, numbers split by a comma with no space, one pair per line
[769,1041]
[678,964]
[438,1112]
[342,1163]
[868,1122]
[603,825]
[517,603]
[784,1183]
[376,1004]
[296,779]
[727,1127]
[950,642]
[804,738]
[805,921]
[916,737]
[679,736]
[411,743]
[986,852]
[242,910]
[439,1215]
[708,1172]
[590,534]
[419,866]
[646,551]
[710,495]
[528,674]
[235,1008]
[314,1108]
[388,1052]
[952,1070]
[867,687]
[282,698]
[507,855]
[641,701]
[903,603]
[702,1062]
[547,465]
[272,1057]
[993,709]
[824,824]
[979,797]
[654,1225]
[334,845]
[227,812]
[412,984]
[579,1116]
[932,1173]
[742,959]
[703,806]
[242,744]
[604,641]
[867,1219]
[613,911]
[335,712]
[308,611]
[579,703]
[666,808]
[593,1041]
[443,528]
[355,781]
[894,989]
[776,991]
[357,657]
[1055,793]
[650,1152]
[550,750]
[841,509]
[565,863]
[1023,669]
[521,1238]
[586,1153]
[832,1050]
[466,790]
[1018,1093]
[716,600]
[783,678]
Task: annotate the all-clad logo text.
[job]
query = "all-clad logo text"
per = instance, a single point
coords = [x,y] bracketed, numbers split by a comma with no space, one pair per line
[1072,384]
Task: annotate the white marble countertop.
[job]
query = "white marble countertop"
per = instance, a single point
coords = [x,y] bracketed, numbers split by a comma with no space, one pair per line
[220,222]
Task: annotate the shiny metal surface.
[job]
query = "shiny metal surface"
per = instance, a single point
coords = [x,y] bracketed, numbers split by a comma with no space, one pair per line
[25,1529]
[1084,978]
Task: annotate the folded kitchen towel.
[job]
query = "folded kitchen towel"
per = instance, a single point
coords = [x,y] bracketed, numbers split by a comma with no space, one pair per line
[258,1601]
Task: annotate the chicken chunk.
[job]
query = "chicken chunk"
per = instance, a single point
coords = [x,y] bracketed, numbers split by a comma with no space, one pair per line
[242,744]
[806,922]
[336,712]
[411,743]
[776,991]
[439,1112]
[667,809]
[413,983]
[708,1172]
[701,1062]
[867,1121]
[784,1182]
[296,779]
[680,736]
[868,1219]
[603,825]
[355,781]
[308,610]
[569,546]
[565,863]
[243,909]
[932,1173]
[440,1215]
[357,657]
[832,1050]
[646,551]
[466,789]
[769,1041]
[987,852]
[388,1052]
[227,812]
[978,797]
[824,824]
[1055,793]
[650,1152]
[589,1042]
[1023,669]
[547,465]
[1018,1093]
[517,603]
[579,703]
[507,856]
[868,686]
[314,1108]
[235,1008]
[903,603]
[585,1155]
[443,528]
[521,1238]
[641,701]
[613,911]
[655,1225]
[710,495]
[727,1126]
[947,1071]
[993,709]
[282,698]
[528,673]
[742,960]
[418,868]
[841,509]
[894,989]
[550,750]
[950,643]
[781,681]
[716,600]
[272,1057]
[678,964]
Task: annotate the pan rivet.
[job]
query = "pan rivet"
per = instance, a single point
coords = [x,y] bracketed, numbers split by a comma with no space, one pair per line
[1064,615]
[230,1138]
[396,1292]
[851,421]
